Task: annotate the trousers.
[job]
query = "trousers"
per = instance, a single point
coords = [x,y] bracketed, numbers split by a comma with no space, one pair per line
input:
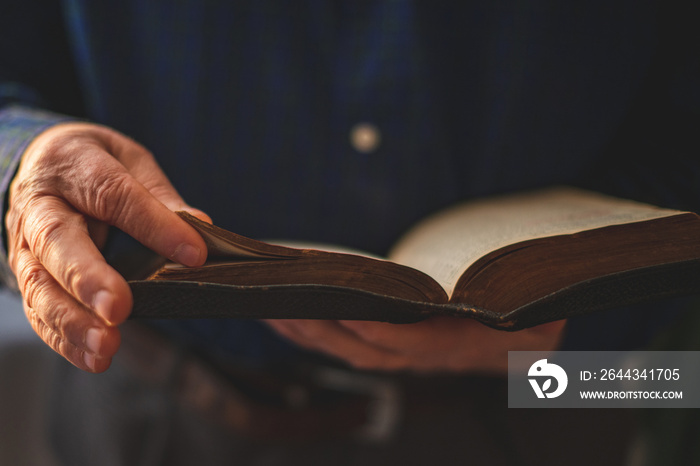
[117,418]
[54,414]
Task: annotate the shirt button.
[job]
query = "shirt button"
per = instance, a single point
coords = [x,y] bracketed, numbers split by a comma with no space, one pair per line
[365,137]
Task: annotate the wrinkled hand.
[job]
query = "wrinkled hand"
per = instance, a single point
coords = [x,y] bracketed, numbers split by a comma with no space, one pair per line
[74,181]
[434,345]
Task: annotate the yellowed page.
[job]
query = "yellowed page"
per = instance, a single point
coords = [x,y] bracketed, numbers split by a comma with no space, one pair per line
[322,247]
[446,244]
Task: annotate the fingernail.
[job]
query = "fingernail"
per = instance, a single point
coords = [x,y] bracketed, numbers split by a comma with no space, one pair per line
[89,360]
[197,213]
[187,254]
[93,340]
[102,304]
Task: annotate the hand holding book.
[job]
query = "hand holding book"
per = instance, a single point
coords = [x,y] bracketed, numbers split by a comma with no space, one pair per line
[510,262]
[438,344]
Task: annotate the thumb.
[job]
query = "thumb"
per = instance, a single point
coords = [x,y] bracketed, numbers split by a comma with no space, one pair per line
[130,191]
[141,165]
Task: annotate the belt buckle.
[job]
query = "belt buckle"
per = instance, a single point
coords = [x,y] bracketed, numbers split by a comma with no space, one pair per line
[384,409]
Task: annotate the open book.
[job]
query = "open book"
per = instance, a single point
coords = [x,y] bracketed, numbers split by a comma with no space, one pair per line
[510,262]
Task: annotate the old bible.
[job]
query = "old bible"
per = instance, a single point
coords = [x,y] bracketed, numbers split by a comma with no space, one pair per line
[510,262]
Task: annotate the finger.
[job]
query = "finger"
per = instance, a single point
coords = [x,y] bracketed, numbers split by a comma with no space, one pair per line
[59,239]
[433,345]
[444,333]
[452,344]
[64,324]
[440,334]
[105,190]
[332,339]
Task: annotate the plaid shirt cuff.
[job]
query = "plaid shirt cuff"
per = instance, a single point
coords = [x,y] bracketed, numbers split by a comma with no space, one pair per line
[18,127]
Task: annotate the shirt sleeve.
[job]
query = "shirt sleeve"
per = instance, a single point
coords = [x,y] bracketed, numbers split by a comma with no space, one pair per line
[36,72]
[18,127]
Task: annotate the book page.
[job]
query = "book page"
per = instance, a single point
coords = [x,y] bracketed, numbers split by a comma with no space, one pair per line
[326,247]
[446,244]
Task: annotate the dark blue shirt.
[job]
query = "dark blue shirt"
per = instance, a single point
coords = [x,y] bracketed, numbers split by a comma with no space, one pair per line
[249,106]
